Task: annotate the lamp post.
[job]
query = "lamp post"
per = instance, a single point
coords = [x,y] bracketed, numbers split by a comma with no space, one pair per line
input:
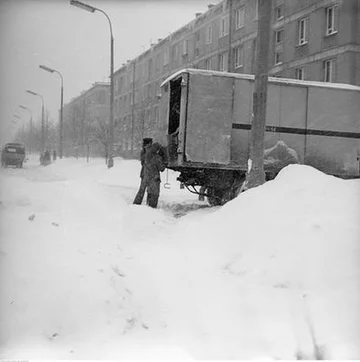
[50,70]
[20,135]
[42,120]
[31,125]
[92,9]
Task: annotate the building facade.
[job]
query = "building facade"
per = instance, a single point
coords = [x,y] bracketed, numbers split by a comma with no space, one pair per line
[86,120]
[315,40]
[310,40]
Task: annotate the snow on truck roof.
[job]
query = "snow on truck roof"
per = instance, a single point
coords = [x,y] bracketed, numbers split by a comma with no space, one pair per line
[252,77]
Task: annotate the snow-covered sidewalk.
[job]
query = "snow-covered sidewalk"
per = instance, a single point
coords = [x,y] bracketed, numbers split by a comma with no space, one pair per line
[87,275]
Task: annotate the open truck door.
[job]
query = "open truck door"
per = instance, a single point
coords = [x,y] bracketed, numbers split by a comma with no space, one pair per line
[209,119]
[199,116]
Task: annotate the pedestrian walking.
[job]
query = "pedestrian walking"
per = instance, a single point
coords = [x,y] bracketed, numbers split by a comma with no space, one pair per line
[46,158]
[147,142]
[54,155]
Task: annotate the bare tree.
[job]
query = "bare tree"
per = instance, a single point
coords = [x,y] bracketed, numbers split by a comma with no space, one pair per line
[100,132]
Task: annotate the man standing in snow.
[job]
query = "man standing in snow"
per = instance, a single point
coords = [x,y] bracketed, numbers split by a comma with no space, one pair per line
[154,164]
[147,142]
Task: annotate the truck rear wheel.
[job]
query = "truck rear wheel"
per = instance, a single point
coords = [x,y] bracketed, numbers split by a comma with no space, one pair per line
[218,196]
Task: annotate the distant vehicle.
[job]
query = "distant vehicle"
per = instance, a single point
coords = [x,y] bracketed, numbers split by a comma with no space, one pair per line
[205,122]
[13,154]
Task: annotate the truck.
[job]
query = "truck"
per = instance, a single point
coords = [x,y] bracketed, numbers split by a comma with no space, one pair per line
[205,125]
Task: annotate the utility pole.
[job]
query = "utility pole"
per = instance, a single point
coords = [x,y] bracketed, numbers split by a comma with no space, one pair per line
[256,175]
[111,125]
[61,120]
[132,109]
[50,70]
[230,56]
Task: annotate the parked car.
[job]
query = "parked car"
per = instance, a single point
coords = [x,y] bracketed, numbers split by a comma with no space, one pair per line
[13,154]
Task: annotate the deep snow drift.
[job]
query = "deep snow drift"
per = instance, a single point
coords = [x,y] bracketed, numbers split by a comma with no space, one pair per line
[86,274]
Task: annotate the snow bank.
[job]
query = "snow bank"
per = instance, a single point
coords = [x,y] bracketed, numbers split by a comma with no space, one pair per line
[291,248]
[87,275]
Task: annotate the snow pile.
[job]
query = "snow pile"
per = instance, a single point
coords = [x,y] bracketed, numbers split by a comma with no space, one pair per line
[85,274]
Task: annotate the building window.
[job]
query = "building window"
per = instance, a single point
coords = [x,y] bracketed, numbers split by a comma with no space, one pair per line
[197,35]
[239,56]
[157,63]
[209,35]
[256,9]
[174,52]
[303,24]
[279,12]
[240,18]
[185,47]
[331,20]
[278,57]
[279,35]
[300,73]
[223,62]
[197,52]
[208,64]
[224,26]
[329,70]
[139,71]
[166,56]
[156,113]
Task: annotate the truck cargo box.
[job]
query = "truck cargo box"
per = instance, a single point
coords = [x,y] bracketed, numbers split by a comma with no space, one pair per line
[206,123]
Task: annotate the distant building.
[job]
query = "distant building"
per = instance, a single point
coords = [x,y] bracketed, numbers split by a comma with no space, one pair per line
[86,118]
[310,40]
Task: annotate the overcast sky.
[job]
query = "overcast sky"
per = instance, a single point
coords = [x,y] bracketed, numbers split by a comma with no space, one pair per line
[76,43]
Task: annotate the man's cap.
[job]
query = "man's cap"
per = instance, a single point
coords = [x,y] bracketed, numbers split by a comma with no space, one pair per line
[146,141]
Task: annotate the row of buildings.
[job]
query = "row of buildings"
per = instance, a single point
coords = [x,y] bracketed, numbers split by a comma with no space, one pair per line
[310,40]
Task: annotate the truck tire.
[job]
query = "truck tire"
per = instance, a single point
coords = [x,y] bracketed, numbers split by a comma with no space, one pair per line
[220,196]
[216,196]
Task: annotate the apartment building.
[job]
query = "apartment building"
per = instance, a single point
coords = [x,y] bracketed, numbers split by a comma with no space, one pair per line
[310,40]
[85,122]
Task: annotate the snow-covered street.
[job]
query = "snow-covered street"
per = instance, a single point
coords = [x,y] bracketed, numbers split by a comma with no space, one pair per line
[87,275]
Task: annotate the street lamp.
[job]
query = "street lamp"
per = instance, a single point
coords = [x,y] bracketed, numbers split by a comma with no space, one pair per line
[31,125]
[92,9]
[42,120]
[23,130]
[50,70]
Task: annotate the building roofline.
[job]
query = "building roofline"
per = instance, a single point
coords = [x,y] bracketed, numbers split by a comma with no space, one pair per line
[211,9]
[83,93]
[273,80]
